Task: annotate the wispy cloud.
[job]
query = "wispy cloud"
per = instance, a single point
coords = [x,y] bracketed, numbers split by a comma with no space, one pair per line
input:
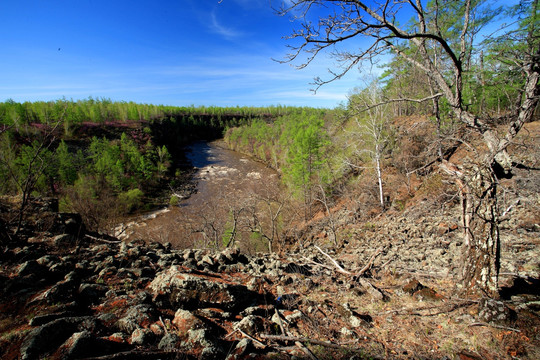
[218,28]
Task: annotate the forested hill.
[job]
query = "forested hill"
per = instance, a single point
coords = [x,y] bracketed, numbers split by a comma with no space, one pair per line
[105,159]
[73,114]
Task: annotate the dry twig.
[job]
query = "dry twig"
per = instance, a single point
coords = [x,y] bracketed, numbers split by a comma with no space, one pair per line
[495,326]
[300,339]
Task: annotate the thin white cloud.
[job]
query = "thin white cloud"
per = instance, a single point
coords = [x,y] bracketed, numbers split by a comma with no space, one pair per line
[218,28]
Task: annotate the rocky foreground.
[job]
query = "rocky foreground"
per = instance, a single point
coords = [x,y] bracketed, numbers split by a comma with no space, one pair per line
[67,294]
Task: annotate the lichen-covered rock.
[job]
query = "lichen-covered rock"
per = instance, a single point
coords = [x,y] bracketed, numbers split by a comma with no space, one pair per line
[169,341]
[203,339]
[494,311]
[142,337]
[78,344]
[138,316]
[185,320]
[48,337]
[92,293]
[250,324]
[31,267]
[182,290]
[242,349]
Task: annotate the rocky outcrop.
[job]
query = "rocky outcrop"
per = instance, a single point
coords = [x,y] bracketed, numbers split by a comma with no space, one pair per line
[178,289]
[93,297]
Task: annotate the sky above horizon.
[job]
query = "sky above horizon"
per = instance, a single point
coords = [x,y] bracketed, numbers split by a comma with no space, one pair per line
[171,52]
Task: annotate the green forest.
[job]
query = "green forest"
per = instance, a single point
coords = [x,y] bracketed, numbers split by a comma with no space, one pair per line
[101,157]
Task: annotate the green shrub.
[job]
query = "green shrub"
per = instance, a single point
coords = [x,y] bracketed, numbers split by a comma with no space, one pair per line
[131,199]
[173,201]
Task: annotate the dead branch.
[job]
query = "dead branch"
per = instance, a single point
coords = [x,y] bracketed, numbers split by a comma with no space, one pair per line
[509,208]
[443,309]
[163,324]
[370,262]
[103,240]
[318,264]
[255,341]
[139,355]
[339,267]
[389,101]
[305,350]
[375,293]
[426,275]
[300,339]
[495,326]
[280,323]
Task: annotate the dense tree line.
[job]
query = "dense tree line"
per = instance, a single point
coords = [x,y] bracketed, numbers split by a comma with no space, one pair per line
[103,110]
[102,158]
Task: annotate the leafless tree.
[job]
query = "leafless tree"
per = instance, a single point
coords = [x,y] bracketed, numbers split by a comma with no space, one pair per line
[264,216]
[376,23]
[25,180]
[325,201]
[371,135]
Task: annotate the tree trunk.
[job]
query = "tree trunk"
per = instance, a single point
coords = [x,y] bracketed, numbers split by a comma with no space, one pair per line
[379,179]
[481,253]
[481,249]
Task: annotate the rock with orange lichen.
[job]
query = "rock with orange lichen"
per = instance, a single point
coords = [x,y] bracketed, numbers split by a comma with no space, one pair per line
[177,288]
[185,320]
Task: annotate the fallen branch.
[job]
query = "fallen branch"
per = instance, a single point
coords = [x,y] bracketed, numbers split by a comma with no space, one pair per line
[257,342]
[339,267]
[372,290]
[164,327]
[318,264]
[509,208]
[280,323]
[383,266]
[370,262]
[444,309]
[494,326]
[427,275]
[103,240]
[139,355]
[300,339]
[230,334]
[306,350]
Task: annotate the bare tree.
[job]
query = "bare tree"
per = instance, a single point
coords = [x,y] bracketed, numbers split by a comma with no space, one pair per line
[376,22]
[324,200]
[26,179]
[371,135]
[264,215]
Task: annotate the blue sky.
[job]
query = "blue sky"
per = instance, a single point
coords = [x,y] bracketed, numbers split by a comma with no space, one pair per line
[173,52]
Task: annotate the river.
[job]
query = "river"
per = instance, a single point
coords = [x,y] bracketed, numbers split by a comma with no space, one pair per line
[235,198]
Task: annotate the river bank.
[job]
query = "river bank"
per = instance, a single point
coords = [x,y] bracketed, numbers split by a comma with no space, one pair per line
[227,186]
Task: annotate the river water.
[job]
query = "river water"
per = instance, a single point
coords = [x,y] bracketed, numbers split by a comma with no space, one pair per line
[231,192]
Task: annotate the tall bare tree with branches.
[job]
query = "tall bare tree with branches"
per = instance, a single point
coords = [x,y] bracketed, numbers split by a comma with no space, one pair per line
[443,55]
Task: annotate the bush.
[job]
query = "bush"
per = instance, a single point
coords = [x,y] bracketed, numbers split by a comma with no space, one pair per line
[173,200]
[131,199]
